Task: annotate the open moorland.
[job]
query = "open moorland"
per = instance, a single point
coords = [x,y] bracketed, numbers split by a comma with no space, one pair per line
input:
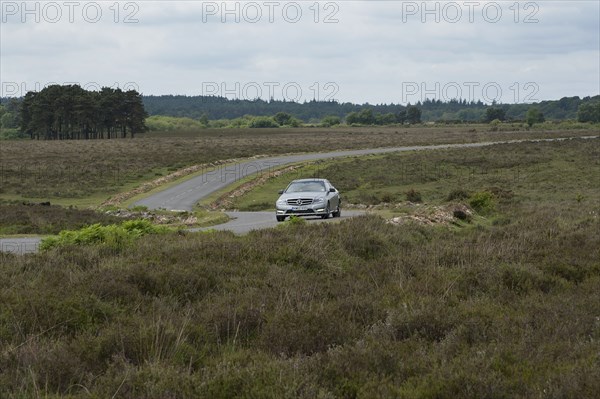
[88,172]
[519,171]
[504,302]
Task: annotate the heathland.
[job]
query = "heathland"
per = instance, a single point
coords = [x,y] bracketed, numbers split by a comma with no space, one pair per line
[501,302]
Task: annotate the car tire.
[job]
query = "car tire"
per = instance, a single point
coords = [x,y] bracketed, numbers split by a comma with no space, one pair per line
[280,218]
[337,213]
[327,212]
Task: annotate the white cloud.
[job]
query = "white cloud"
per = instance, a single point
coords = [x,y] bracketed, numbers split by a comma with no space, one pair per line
[372,53]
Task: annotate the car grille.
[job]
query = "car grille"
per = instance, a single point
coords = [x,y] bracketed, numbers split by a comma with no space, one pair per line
[299,201]
[305,212]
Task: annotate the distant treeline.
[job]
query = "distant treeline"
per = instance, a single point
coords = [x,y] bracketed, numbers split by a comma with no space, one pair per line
[70,112]
[215,108]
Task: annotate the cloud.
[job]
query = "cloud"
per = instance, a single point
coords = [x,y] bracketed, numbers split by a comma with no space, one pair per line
[371,50]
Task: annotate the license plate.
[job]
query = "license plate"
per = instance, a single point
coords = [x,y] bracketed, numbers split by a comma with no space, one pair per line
[299,208]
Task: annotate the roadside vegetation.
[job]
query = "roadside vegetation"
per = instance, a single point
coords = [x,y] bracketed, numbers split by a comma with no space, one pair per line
[504,306]
[114,236]
[31,218]
[44,218]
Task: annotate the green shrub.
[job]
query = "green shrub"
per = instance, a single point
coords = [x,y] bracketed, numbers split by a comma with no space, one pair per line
[263,122]
[114,236]
[482,202]
[331,120]
[295,221]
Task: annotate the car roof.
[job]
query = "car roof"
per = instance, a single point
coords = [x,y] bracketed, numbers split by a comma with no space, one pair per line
[303,180]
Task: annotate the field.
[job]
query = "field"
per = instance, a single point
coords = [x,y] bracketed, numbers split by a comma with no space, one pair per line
[505,305]
[85,173]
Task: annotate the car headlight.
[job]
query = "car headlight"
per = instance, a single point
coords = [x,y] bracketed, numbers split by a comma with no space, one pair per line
[319,200]
[280,202]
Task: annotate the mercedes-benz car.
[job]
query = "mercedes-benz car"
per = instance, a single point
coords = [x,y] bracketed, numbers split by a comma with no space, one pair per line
[308,197]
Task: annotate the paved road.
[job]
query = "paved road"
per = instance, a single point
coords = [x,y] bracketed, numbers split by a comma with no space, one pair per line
[183,196]
[244,222]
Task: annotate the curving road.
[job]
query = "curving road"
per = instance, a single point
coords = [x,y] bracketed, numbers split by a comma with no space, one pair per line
[185,195]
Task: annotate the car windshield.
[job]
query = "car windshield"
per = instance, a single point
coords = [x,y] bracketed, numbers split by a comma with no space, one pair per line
[306,186]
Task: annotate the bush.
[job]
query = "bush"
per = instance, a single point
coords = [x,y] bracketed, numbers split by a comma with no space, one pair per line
[263,122]
[482,202]
[331,120]
[114,236]
[295,221]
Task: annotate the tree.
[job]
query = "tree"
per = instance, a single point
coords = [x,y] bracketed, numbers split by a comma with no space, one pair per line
[413,114]
[70,112]
[492,113]
[8,121]
[534,115]
[352,118]
[366,117]
[204,119]
[282,118]
[385,119]
[589,112]
[401,116]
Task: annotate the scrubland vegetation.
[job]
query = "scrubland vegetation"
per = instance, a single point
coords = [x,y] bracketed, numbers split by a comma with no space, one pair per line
[88,172]
[520,170]
[504,306]
[19,218]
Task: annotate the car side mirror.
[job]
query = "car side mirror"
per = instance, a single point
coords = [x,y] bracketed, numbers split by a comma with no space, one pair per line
[332,190]
[280,192]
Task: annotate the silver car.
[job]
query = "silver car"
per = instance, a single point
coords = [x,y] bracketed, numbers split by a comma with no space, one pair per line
[308,197]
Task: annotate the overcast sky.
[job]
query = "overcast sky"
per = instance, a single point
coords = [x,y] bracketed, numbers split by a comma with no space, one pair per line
[356,51]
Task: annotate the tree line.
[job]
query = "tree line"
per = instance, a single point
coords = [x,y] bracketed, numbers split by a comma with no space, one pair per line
[70,112]
[454,110]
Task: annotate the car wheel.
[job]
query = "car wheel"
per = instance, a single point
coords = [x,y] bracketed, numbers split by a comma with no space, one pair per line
[327,212]
[337,213]
[280,218]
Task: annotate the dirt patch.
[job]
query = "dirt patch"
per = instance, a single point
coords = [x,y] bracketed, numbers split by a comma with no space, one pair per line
[183,218]
[433,215]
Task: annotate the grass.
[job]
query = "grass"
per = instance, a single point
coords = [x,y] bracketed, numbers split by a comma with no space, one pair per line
[88,172]
[506,307]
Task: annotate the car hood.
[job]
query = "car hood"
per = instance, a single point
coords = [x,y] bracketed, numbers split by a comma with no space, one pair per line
[304,194]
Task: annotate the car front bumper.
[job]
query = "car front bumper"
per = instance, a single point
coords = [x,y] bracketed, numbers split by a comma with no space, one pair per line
[308,210]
